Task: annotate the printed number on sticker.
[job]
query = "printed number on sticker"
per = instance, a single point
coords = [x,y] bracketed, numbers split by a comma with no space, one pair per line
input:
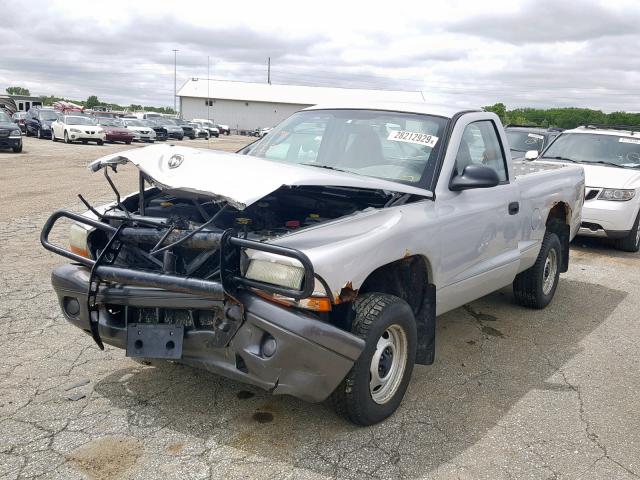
[412,137]
[629,140]
[535,135]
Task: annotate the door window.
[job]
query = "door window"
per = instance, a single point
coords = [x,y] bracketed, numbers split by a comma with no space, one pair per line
[480,146]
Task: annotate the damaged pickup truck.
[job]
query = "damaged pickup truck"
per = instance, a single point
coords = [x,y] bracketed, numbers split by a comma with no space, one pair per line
[314,261]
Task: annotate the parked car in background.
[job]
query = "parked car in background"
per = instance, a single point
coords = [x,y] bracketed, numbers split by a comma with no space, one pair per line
[38,121]
[385,217]
[209,125]
[610,157]
[161,132]
[223,129]
[200,130]
[525,140]
[259,132]
[19,119]
[73,128]
[186,128]
[10,133]
[141,130]
[114,130]
[173,130]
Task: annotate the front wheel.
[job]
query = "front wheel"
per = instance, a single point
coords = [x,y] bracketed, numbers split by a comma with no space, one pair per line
[17,149]
[53,136]
[535,287]
[66,138]
[39,134]
[630,243]
[100,142]
[375,386]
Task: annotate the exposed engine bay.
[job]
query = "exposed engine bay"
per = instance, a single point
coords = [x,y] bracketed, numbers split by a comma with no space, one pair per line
[167,216]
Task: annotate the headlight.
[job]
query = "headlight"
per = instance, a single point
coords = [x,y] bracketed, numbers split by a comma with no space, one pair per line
[75,130]
[288,276]
[78,240]
[15,132]
[617,195]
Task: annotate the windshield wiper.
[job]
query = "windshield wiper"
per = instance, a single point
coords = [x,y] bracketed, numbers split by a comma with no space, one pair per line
[562,158]
[327,167]
[611,164]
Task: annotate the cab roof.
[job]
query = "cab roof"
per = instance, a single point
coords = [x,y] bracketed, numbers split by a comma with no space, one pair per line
[407,107]
[606,131]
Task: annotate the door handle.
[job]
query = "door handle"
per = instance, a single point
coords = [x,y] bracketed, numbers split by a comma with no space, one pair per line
[514,208]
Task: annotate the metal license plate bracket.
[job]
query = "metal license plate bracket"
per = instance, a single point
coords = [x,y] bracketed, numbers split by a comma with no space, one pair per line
[154,340]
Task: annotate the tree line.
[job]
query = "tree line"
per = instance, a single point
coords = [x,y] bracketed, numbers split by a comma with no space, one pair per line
[91,102]
[561,117]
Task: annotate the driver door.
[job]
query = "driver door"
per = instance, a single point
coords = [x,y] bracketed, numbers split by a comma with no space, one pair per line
[479,235]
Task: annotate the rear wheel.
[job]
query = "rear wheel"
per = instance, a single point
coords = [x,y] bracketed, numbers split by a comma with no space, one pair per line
[536,286]
[631,243]
[66,137]
[375,386]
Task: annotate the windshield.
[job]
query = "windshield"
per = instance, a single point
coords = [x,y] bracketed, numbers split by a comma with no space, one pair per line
[400,147]
[79,121]
[147,123]
[4,117]
[133,123]
[522,141]
[109,122]
[164,121]
[595,148]
[48,115]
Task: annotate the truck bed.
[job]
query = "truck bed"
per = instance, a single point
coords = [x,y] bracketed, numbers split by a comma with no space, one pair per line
[526,167]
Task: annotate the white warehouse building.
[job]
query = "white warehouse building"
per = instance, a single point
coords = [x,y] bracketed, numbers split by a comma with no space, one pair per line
[247,106]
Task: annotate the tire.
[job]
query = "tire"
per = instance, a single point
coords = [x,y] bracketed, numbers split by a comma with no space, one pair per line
[26,133]
[53,136]
[66,137]
[84,142]
[128,143]
[151,141]
[630,243]
[17,149]
[536,286]
[39,134]
[100,142]
[357,398]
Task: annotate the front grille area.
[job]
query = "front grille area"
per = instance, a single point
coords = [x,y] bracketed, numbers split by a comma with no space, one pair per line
[4,133]
[591,226]
[121,315]
[592,193]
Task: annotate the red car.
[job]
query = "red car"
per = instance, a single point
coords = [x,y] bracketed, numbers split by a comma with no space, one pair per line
[114,130]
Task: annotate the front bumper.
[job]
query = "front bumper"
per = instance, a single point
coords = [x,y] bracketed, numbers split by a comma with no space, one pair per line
[310,358]
[608,219]
[119,137]
[10,142]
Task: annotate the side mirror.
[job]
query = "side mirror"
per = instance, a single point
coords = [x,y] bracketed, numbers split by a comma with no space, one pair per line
[531,154]
[474,176]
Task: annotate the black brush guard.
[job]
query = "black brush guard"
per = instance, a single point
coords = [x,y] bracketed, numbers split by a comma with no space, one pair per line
[226,241]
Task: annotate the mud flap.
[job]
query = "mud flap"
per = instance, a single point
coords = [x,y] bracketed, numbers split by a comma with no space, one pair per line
[426,327]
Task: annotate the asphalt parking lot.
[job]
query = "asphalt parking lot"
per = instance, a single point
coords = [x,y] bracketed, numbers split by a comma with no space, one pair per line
[513,393]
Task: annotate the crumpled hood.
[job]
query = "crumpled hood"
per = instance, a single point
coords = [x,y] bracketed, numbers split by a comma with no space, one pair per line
[239,179]
[611,177]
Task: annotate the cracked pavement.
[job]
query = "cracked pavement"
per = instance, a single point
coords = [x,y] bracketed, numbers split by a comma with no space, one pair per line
[514,393]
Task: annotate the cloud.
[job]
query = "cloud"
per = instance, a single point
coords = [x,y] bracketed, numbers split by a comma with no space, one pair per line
[527,53]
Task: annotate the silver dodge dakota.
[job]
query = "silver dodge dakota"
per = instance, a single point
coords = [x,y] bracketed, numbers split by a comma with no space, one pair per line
[314,261]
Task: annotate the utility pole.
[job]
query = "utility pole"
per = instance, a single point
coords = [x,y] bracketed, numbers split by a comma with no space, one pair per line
[269,70]
[175,63]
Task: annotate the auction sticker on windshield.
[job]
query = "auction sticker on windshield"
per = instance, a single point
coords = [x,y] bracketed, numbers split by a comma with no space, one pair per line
[413,137]
[629,140]
[535,135]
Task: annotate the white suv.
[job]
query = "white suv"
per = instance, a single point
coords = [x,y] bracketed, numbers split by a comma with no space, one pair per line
[611,160]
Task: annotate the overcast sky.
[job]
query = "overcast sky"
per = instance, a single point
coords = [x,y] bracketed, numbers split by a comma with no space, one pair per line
[523,53]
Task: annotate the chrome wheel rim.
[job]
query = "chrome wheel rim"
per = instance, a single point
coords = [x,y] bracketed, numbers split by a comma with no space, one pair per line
[549,272]
[388,364]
